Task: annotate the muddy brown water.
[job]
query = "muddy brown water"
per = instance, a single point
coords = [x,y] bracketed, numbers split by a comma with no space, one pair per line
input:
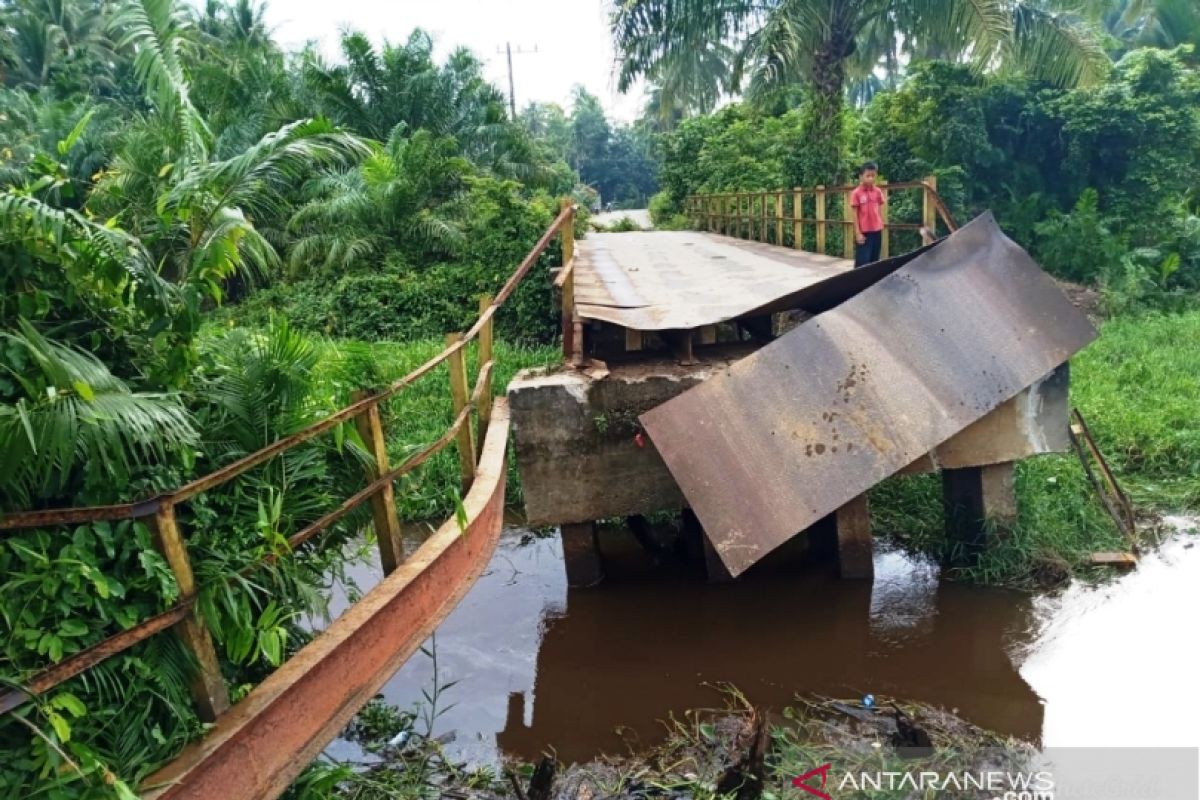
[537,665]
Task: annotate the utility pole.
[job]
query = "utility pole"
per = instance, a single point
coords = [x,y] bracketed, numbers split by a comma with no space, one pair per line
[512,91]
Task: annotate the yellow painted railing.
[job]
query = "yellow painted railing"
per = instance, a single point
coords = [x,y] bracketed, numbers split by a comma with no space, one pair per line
[804,218]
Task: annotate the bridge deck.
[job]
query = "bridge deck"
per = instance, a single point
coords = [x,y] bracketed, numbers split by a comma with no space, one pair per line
[662,280]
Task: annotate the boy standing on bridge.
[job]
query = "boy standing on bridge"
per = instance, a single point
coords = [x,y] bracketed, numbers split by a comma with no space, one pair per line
[867,200]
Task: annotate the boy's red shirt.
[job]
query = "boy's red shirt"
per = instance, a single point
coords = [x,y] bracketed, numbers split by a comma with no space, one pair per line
[867,202]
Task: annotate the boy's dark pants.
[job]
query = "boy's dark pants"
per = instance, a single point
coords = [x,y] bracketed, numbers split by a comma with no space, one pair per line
[868,251]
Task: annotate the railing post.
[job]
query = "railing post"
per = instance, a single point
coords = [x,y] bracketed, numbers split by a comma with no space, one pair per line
[928,207]
[568,283]
[848,241]
[208,688]
[762,217]
[460,396]
[485,355]
[383,503]
[779,219]
[820,196]
[884,246]
[797,215]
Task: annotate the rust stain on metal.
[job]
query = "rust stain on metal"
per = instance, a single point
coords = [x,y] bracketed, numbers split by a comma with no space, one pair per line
[817,417]
[262,743]
[68,668]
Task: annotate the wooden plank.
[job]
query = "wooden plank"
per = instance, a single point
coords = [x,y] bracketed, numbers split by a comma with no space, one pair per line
[459,394]
[208,689]
[797,215]
[885,245]
[485,355]
[383,503]
[821,220]
[848,240]
[779,218]
[1111,559]
[854,542]
[928,207]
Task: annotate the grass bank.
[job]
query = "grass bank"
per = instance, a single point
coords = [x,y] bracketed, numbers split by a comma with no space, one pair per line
[421,413]
[1137,385]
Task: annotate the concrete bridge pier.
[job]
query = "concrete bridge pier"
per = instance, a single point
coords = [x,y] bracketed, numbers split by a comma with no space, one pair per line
[583,457]
[581,554]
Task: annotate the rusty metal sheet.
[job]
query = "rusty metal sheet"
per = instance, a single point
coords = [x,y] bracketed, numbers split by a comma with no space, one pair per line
[257,748]
[814,419]
[664,280]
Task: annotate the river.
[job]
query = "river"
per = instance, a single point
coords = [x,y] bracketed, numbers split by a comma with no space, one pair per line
[588,671]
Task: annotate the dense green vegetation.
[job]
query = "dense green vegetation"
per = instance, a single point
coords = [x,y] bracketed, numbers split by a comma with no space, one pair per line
[156,164]
[1099,183]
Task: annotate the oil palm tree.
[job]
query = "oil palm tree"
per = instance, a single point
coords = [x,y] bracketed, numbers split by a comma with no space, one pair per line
[815,42]
[401,197]
[45,41]
[1154,23]
[202,216]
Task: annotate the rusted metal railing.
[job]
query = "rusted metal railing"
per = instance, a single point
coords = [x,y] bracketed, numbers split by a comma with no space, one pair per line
[209,692]
[781,216]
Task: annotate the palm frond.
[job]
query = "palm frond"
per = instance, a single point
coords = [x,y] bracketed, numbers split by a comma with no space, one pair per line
[649,32]
[1059,48]
[66,237]
[77,417]
[255,179]
[157,32]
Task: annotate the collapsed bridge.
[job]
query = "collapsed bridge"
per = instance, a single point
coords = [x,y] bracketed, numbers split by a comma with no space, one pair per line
[766,389]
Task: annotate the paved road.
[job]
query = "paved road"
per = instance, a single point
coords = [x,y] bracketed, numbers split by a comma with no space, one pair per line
[639,215]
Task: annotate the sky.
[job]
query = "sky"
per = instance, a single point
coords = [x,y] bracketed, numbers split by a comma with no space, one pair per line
[556,43]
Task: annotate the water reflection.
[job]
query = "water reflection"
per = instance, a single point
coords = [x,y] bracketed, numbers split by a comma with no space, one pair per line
[539,666]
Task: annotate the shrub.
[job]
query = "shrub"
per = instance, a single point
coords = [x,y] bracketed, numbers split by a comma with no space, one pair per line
[1078,246]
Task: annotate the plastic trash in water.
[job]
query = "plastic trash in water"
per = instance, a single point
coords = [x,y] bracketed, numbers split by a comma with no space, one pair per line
[868,701]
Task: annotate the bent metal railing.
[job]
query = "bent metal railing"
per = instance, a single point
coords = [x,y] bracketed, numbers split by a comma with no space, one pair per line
[781,216]
[208,689]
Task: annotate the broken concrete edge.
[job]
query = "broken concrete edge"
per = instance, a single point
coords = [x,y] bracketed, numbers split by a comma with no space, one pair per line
[568,424]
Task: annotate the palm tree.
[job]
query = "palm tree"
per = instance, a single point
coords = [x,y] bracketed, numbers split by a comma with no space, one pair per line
[1155,23]
[692,84]
[44,41]
[196,213]
[402,197]
[73,415]
[815,42]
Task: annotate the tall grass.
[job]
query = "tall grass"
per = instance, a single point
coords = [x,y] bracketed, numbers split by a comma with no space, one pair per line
[422,412]
[1137,385]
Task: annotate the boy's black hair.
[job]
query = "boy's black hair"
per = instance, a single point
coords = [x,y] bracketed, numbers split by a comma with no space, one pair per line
[866,166]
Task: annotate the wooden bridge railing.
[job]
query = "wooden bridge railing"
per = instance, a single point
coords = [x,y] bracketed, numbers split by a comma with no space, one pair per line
[805,218]
[209,692]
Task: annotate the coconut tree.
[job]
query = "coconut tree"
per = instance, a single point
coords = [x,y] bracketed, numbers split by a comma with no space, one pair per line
[816,42]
